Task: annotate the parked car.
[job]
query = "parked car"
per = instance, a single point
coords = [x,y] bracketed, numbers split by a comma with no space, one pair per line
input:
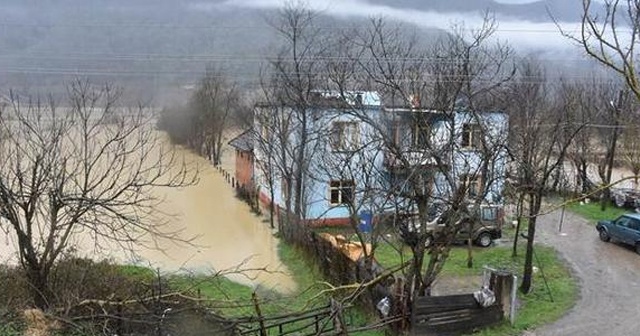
[482,231]
[625,229]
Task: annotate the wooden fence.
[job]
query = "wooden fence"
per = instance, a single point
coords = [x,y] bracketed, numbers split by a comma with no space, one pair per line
[452,315]
[326,320]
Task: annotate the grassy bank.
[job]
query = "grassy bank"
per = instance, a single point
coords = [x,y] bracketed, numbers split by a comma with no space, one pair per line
[594,213]
[539,307]
[235,300]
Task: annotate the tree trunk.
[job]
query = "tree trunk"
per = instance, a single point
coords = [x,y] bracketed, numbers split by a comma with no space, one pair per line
[470,246]
[272,205]
[300,164]
[611,159]
[534,208]
[519,205]
[38,282]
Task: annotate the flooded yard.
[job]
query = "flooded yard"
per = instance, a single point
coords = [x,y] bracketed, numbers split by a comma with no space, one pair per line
[227,235]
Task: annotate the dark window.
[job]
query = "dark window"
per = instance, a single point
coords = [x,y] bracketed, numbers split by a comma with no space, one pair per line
[472,183]
[421,134]
[344,136]
[489,214]
[395,133]
[471,136]
[634,225]
[341,192]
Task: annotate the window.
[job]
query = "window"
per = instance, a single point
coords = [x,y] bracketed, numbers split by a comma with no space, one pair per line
[634,225]
[472,183]
[489,214]
[420,135]
[622,221]
[341,192]
[344,136]
[471,136]
[395,133]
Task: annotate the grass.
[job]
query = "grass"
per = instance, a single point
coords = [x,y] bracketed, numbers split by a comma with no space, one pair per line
[306,277]
[234,300]
[540,306]
[137,272]
[536,308]
[8,328]
[594,213]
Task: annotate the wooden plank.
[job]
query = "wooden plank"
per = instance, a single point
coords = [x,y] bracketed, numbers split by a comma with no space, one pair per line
[455,314]
[478,319]
[427,305]
[445,300]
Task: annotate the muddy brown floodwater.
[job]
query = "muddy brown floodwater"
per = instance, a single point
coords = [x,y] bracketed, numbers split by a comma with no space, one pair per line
[228,235]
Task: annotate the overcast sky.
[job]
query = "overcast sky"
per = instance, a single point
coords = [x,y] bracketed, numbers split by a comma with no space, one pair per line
[515,1]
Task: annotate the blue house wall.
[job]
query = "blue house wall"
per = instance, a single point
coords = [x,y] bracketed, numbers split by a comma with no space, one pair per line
[368,166]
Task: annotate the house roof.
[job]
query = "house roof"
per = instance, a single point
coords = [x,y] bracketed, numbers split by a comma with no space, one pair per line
[243,142]
[337,99]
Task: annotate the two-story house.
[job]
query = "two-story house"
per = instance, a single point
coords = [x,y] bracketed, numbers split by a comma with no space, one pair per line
[361,156]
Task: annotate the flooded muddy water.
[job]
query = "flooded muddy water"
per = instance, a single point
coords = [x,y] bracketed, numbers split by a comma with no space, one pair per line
[227,235]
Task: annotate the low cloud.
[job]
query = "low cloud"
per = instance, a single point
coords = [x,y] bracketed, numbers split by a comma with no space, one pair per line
[518,33]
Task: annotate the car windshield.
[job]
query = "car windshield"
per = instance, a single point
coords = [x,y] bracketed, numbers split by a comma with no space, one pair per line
[622,221]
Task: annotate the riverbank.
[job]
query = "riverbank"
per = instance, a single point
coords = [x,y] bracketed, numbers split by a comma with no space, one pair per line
[225,234]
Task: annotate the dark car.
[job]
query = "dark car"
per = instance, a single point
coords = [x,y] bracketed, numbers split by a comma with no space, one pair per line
[482,230]
[625,229]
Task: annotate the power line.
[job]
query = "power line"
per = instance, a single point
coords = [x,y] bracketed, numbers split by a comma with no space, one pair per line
[243,57]
[256,78]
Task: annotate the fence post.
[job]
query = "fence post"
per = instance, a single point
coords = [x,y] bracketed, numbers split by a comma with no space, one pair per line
[502,284]
[338,322]
[263,331]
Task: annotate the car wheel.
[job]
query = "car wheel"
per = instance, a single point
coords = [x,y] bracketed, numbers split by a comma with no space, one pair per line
[604,236]
[484,239]
[428,241]
[638,248]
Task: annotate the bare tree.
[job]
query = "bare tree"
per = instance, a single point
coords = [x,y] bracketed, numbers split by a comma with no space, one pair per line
[213,103]
[86,171]
[630,149]
[576,98]
[538,145]
[296,75]
[611,118]
[422,135]
[611,37]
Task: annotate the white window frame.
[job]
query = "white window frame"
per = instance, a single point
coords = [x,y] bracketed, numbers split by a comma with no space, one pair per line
[339,186]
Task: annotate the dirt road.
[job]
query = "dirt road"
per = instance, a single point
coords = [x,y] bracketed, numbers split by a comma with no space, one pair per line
[609,276]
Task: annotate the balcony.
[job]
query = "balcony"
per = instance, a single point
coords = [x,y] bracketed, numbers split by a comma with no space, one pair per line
[409,158]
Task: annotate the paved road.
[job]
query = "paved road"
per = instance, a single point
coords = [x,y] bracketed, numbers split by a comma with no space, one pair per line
[609,276]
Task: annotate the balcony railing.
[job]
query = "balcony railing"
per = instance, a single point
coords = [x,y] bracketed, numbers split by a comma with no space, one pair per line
[410,158]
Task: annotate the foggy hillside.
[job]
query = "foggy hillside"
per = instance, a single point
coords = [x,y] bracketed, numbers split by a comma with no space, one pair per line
[151,45]
[561,10]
